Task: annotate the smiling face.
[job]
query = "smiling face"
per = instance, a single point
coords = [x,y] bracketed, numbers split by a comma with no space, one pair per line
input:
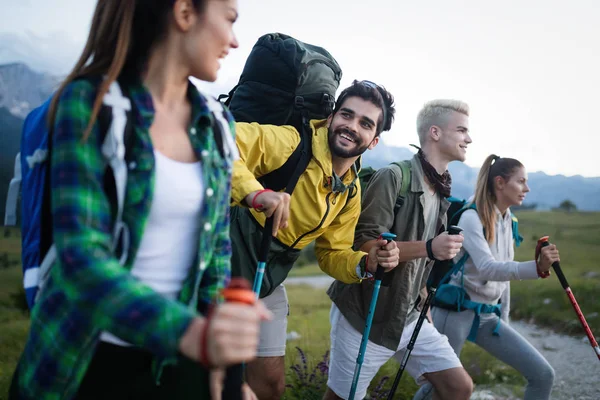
[454,137]
[353,127]
[512,192]
[210,37]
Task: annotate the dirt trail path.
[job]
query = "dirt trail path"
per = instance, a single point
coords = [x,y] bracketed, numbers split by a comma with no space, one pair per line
[576,366]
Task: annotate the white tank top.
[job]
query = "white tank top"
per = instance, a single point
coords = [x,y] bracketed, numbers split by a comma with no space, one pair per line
[170,240]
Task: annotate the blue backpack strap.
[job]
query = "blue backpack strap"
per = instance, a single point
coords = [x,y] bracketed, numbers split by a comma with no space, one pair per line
[454,218]
[515,230]
[113,149]
[462,303]
[456,267]
[480,308]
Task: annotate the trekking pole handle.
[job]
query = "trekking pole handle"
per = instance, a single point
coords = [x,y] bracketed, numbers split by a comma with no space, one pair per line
[238,291]
[380,271]
[454,230]
[556,266]
[439,266]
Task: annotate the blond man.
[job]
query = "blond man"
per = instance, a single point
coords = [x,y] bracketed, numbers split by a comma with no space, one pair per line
[419,221]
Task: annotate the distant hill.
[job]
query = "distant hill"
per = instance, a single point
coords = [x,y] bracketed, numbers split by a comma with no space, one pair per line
[22,89]
[547,191]
[10,135]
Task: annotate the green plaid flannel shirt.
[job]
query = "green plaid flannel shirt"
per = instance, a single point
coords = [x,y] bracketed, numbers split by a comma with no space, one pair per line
[88,291]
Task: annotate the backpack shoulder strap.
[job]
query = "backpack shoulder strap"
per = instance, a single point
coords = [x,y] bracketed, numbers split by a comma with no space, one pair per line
[114,149]
[305,155]
[286,177]
[405,169]
[515,230]
[456,267]
[222,130]
[456,216]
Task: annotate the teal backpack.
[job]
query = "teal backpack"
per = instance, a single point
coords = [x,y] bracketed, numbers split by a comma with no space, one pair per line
[448,296]
[455,298]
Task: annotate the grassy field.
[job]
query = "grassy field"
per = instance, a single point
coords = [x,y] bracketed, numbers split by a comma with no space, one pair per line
[309,316]
[14,323]
[543,301]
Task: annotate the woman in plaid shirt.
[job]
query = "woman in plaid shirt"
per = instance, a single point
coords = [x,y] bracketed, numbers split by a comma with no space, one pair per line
[104,330]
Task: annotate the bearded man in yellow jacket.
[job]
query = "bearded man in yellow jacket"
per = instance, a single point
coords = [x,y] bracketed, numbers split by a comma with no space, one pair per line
[324,208]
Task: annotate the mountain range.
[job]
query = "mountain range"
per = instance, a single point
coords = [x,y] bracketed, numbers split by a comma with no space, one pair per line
[22,89]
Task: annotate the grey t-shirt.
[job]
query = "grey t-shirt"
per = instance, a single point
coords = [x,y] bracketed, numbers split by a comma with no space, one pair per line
[431,208]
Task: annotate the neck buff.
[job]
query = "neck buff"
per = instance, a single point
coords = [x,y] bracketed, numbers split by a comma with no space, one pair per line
[441,183]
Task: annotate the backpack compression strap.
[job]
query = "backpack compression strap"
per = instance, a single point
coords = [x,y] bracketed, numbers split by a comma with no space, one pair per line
[404,184]
[10,214]
[113,149]
[229,147]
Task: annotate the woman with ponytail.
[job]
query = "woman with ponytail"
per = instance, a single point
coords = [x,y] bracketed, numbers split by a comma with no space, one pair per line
[488,270]
[102,329]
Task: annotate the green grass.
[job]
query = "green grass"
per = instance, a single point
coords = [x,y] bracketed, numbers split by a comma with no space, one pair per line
[306,270]
[14,323]
[576,234]
[544,301]
[309,316]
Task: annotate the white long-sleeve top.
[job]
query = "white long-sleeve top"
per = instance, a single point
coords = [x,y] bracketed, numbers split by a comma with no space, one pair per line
[490,267]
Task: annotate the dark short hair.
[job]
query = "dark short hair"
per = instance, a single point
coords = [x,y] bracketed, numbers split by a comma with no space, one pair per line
[374,93]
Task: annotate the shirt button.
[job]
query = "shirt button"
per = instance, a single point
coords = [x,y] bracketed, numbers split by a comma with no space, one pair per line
[132,165]
[202,265]
[193,130]
[207,226]
[209,192]
[204,153]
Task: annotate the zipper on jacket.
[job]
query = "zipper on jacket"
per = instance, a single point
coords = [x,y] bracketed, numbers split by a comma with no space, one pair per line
[318,226]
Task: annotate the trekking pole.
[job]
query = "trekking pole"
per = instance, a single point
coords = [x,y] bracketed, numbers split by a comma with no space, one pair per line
[238,291]
[234,375]
[543,242]
[365,337]
[263,254]
[437,269]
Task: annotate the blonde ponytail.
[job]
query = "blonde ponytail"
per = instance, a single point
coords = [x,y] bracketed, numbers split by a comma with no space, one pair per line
[485,194]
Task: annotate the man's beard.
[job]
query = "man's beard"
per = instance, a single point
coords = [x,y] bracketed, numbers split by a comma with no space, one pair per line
[343,152]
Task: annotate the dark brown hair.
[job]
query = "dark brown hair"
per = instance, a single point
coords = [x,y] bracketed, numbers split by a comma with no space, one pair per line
[121,37]
[377,95]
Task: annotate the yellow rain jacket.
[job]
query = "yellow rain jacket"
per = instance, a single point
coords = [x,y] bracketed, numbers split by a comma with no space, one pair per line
[316,212]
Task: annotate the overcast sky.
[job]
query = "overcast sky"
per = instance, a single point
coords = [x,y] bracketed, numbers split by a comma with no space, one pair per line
[529,69]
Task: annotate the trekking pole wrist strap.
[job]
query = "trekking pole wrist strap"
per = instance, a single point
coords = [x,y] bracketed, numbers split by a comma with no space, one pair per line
[538,252]
[258,207]
[430,250]
[363,270]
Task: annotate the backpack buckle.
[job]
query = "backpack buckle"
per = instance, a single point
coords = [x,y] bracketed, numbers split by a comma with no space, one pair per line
[299,102]
[328,101]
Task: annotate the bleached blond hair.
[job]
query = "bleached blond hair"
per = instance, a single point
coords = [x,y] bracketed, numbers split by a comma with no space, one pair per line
[436,112]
